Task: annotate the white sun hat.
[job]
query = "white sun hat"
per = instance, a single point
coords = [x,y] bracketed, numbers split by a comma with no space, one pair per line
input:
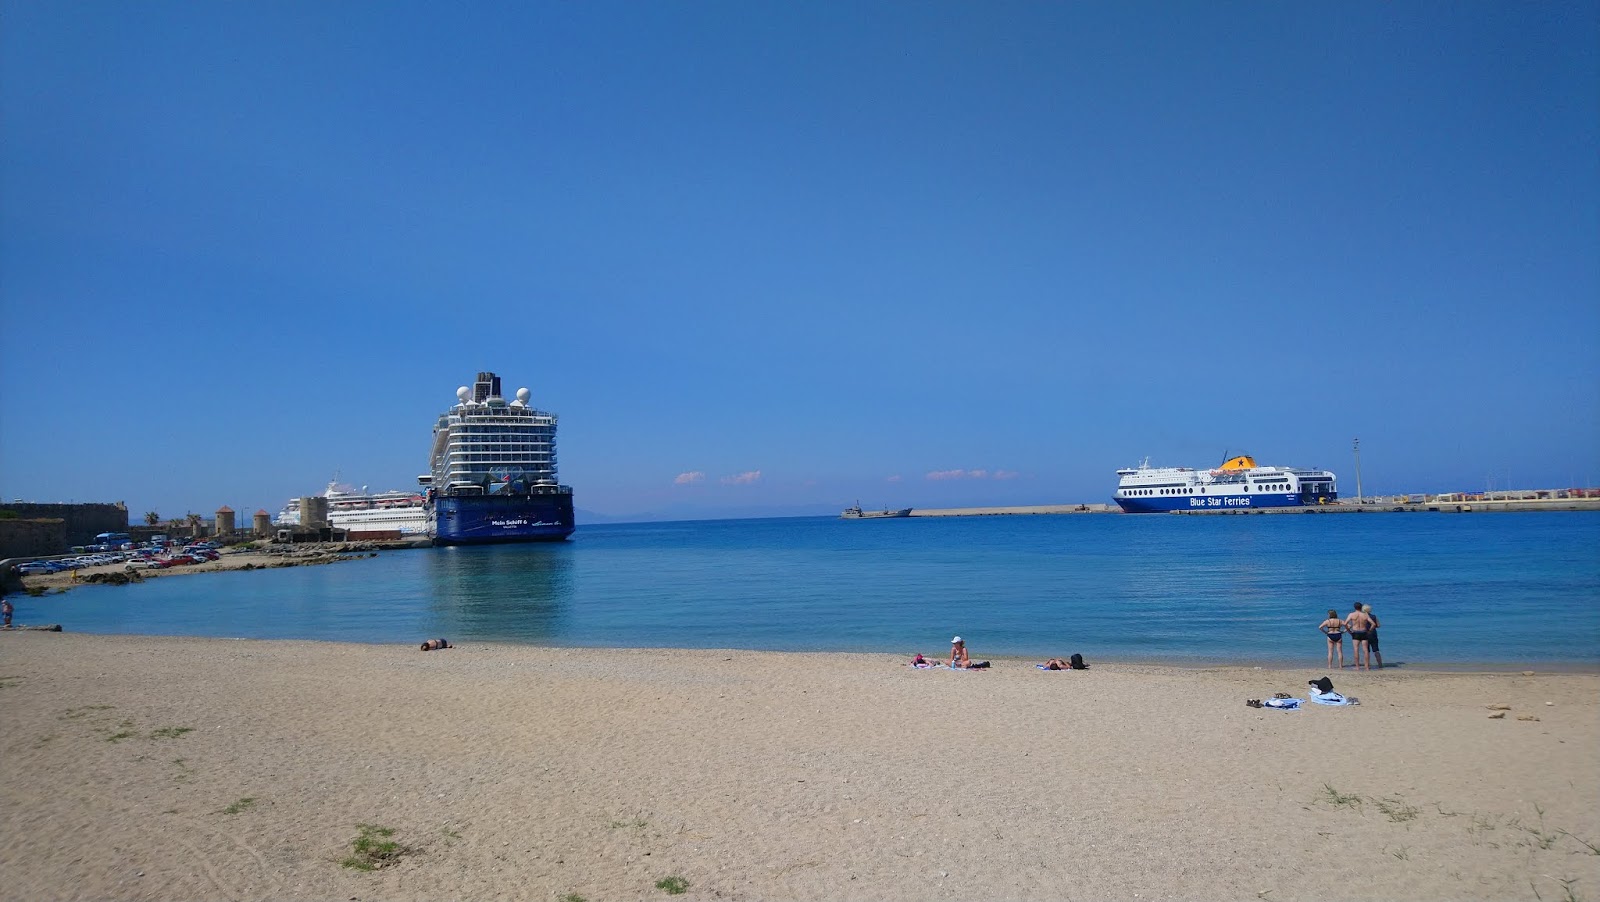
[956,641]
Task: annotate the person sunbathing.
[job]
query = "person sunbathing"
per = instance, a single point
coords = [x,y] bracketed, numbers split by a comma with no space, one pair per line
[433,644]
[1057,664]
[959,659]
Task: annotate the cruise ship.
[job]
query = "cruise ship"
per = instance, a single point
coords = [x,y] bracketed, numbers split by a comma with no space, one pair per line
[493,471]
[1236,485]
[380,515]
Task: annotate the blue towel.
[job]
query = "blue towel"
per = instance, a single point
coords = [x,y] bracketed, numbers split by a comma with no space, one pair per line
[1328,698]
[1287,704]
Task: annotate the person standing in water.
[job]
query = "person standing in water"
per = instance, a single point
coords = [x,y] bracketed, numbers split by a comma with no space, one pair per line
[1333,628]
[1372,634]
[1359,624]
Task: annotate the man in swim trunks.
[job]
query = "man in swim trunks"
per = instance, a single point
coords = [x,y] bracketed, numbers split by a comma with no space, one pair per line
[1358,624]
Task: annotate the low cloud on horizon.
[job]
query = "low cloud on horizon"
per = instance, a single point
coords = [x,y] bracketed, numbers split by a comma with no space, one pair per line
[745,478]
[689,478]
[940,475]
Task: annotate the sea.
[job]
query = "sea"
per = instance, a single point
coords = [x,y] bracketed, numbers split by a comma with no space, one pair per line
[1472,591]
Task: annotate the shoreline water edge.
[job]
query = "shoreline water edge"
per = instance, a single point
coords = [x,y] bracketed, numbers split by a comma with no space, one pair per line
[1152,590]
[244,769]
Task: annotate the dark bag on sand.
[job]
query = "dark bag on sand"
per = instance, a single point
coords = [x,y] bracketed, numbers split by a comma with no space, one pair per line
[1077,663]
[1323,685]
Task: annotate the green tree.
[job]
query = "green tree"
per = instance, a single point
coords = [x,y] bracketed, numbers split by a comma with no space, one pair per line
[194,525]
[151,518]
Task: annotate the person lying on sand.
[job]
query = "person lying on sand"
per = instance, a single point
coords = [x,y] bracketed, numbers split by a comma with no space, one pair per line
[433,644]
[1057,664]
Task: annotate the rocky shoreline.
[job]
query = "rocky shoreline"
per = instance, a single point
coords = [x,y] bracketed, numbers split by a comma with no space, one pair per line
[260,558]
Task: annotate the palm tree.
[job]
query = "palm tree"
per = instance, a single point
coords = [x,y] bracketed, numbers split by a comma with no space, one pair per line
[151,518]
[194,525]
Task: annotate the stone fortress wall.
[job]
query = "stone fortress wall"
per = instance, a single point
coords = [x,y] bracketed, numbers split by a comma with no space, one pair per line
[77,524]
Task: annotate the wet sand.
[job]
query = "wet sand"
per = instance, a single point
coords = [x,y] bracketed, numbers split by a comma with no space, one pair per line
[180,768]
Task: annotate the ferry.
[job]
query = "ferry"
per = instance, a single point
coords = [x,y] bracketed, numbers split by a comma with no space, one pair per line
[363,515]
[1238,484]
[493,471]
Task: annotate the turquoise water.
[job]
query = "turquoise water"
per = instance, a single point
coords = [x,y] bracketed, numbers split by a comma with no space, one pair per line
[1450,589]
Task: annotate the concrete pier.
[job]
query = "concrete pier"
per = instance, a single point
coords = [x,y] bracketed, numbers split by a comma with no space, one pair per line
[1012,511]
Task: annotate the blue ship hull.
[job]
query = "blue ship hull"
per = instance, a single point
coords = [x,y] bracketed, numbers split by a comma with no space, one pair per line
[489,519]
[1160,504]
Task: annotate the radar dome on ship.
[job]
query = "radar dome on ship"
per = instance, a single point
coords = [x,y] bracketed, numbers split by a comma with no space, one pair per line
[462,393]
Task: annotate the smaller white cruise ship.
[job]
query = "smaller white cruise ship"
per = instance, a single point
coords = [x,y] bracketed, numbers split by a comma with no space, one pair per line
[1238,484]
[362,515]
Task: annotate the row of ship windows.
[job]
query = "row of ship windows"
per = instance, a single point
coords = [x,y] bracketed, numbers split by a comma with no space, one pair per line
[527,429]
[499,447]
[458,459]
[1271,486]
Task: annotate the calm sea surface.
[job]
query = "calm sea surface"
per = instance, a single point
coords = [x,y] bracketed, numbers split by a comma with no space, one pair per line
[1451,589]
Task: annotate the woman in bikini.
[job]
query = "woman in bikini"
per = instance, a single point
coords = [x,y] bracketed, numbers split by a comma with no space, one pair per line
[1333,627]
[959,659]
[958,653]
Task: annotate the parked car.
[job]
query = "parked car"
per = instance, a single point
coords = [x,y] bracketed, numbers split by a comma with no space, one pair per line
[143,565]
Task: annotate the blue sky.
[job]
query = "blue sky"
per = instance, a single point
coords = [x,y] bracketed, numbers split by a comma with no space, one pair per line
[916,254]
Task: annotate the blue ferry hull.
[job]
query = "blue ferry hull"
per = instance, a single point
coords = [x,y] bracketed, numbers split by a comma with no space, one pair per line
[1160,504]
[489,519]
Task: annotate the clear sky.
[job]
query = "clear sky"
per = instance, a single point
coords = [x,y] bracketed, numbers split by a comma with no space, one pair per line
[917,254]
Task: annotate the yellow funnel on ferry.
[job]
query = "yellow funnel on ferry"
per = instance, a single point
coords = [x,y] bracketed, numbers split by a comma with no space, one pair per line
[1242,462]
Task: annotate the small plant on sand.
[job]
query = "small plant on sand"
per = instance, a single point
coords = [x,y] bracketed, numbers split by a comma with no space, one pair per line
[373,848]
[672,886]
[573,897]
[1339,799]
[1542,837]
[6,682]
[1401,853]
[244,804]
[1593,849]
[1396,810]
[1568,894]
[127,732]
[170,732]
[636,822]
[79,713]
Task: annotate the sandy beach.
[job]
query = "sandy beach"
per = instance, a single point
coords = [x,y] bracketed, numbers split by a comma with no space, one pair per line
[176,768]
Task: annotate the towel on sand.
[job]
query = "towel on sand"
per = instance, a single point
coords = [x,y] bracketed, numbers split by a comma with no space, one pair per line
[1288,704]
[1329,698]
